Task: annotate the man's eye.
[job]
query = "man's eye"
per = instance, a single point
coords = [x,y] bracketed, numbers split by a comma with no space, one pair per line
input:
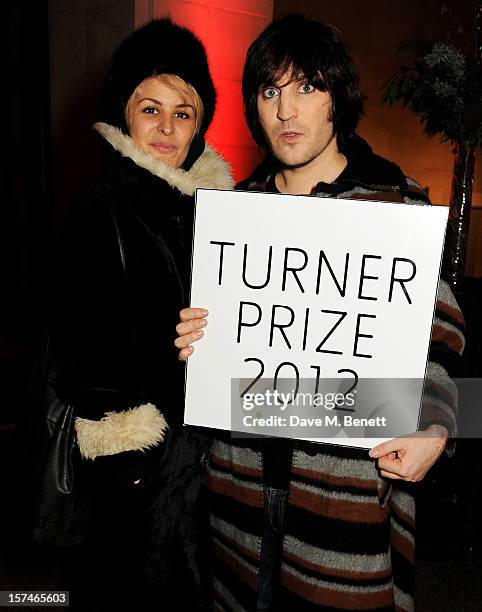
[270,92]
[306,88]
[182,115]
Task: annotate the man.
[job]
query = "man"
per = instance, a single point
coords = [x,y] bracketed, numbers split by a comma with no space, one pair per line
[299,526]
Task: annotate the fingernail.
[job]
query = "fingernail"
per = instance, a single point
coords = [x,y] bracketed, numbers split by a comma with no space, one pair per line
[373,453]
[204,312]
[202,323]
[198,334]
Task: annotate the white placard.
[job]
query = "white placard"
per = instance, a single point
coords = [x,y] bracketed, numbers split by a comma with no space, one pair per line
[261,261]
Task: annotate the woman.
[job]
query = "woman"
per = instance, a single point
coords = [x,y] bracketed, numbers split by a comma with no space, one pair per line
[124,275]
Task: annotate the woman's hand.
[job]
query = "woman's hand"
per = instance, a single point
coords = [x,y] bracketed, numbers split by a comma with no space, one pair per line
[189,330]
[410,458]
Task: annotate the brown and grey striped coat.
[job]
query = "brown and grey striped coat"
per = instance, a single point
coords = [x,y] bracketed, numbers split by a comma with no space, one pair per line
[349,538]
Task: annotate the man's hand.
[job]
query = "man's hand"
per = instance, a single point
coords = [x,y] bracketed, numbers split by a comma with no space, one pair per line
[189,330]
[410,458]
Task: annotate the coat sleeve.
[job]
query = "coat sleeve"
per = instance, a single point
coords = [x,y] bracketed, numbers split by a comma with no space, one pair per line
[439,403]
[94,344]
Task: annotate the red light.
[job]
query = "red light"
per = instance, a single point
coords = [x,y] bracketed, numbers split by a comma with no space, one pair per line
[227,30]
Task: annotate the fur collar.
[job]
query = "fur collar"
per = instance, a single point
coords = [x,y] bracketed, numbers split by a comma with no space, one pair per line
[210,171]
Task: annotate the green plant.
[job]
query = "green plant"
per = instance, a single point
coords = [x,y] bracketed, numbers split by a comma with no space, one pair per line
[444,87]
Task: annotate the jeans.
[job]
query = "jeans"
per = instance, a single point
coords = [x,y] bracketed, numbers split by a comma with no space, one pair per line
[271,549]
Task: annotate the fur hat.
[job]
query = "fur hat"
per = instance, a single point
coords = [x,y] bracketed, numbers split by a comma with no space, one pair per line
[158,47]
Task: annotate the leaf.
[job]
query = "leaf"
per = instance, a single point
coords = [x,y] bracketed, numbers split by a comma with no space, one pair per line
[388,82]
[387,99]
[395,90]
[405,85]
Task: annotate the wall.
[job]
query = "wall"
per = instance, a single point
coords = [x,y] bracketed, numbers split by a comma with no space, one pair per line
[83,36]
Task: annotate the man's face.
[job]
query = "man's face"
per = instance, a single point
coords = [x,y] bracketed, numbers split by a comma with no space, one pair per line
[297,121]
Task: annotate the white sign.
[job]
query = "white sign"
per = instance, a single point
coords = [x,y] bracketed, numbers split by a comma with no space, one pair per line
[301,290]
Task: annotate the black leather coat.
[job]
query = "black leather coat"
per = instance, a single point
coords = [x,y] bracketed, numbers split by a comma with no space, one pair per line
[113,331]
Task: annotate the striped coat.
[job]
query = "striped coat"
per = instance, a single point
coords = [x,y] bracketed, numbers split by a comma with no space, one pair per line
[349,534]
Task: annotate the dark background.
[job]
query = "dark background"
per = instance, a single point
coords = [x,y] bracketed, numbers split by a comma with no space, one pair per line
[54,57]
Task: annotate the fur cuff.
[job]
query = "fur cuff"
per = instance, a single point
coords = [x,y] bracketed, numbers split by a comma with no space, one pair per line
[136,429]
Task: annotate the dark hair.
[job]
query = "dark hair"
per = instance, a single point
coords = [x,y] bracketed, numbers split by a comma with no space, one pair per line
[304,49]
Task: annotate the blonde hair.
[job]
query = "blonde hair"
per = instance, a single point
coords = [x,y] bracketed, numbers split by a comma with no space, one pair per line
[178,85]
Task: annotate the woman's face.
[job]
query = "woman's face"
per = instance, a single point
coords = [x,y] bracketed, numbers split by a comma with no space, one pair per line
[162,122]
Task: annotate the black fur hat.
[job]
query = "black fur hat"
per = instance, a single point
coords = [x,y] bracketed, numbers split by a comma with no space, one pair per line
[158,47]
